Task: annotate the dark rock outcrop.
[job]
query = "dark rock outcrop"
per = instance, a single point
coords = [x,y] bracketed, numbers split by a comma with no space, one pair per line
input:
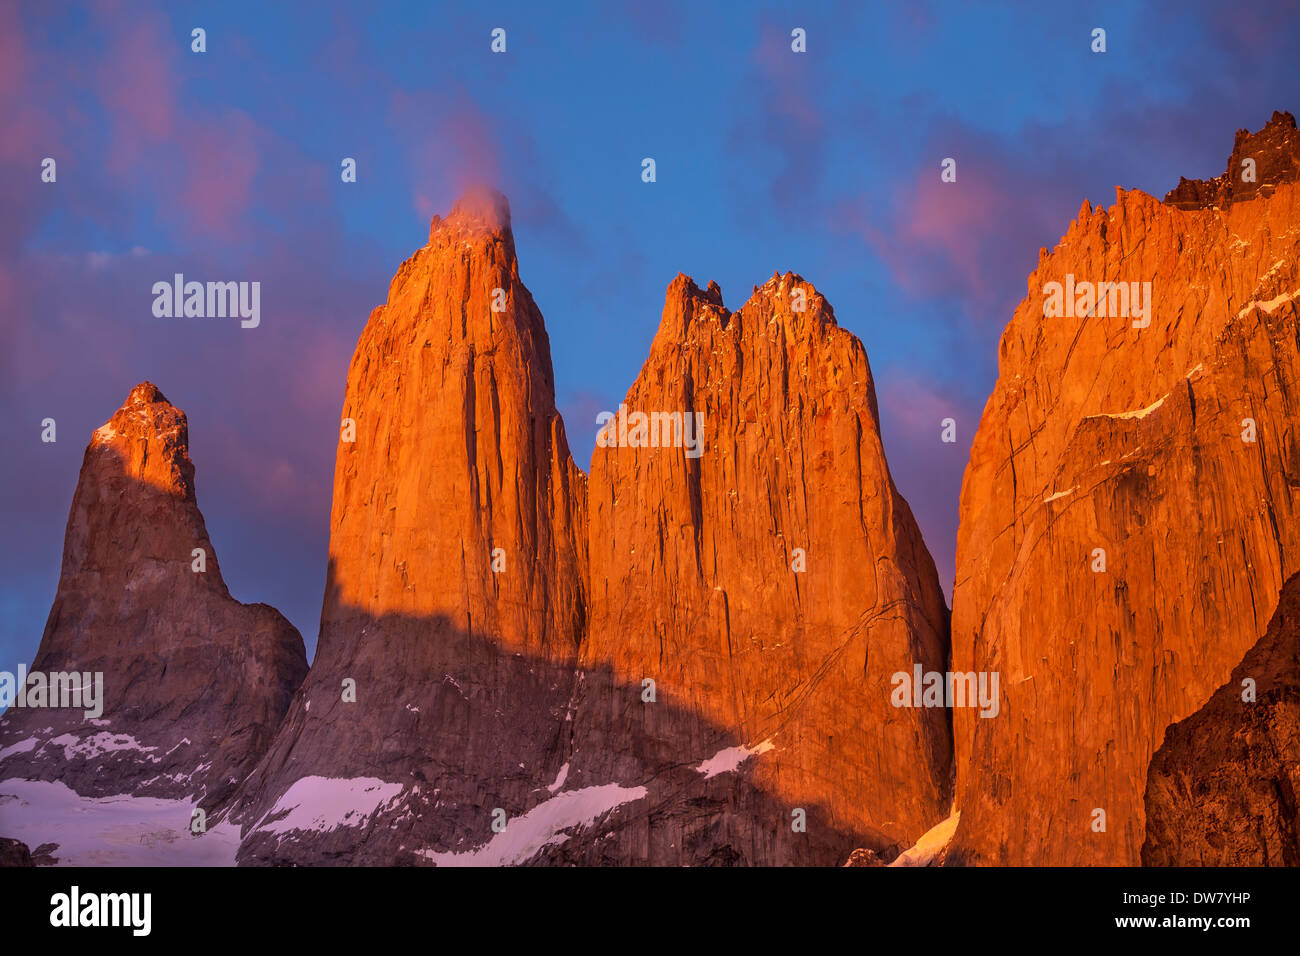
[1275,150]
[1222,789]
[14,853]
[194,683]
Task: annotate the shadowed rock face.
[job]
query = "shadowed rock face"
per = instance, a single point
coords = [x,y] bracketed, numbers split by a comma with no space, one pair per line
[1275,150]
[14,853]
[194,682]
[520,689]
[1222,789]
[1102,435]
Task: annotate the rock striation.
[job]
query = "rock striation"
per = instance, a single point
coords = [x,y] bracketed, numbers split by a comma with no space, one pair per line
[770,584]
[491,618]
[455,600]
[1128,515]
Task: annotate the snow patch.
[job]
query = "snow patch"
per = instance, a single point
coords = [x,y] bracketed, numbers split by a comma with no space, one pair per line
[1139,413]
[930,843]
[105,432]
[729,760]
[111,831]
[1270,305]
[99,744]
[562,776]
[542,826]
[326,803]
[1061,494]
[22,747]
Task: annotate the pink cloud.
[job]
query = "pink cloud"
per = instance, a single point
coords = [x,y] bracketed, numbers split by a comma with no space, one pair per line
[455,147]
[781,121]
[137,85]
[222,159]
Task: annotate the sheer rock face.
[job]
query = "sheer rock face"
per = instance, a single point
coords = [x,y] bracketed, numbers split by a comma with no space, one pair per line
[194,682]
[1222,789]
[489,696]
[1275,150]
[462,673]
[692,587]
[1100,435]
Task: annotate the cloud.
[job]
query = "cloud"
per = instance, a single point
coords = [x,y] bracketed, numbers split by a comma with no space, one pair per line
[781,126]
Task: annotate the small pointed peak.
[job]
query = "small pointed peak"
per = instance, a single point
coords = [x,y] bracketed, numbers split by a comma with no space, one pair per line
[1085,212]
[1282,118]
[684,301]
[682,283]
[146,393]
[146,413]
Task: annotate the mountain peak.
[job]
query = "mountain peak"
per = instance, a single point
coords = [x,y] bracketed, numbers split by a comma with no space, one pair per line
[1269,158]
[146,393]
[480,209]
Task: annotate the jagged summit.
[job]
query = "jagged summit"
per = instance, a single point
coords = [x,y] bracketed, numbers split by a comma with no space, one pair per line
[149,439]
[1275,150]
[787,295]
[1107,615]
[146,393]
[480,210]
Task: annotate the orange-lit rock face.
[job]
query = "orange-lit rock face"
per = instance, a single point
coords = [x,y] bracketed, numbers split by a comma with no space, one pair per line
[693,582]
[459,451]
[194,683]
[455,596]
[512,690]
[1103,435]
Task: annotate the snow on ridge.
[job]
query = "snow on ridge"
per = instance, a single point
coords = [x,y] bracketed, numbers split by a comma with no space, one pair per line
[22,747]
[1061,494]
[326,803]
[542,826]
[1270,305]
[930,843]
[99,744]
[1139,413]
[729,760]
[105,432]
[560,777]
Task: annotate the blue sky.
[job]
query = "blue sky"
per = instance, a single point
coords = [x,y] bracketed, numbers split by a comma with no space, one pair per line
[225,164]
